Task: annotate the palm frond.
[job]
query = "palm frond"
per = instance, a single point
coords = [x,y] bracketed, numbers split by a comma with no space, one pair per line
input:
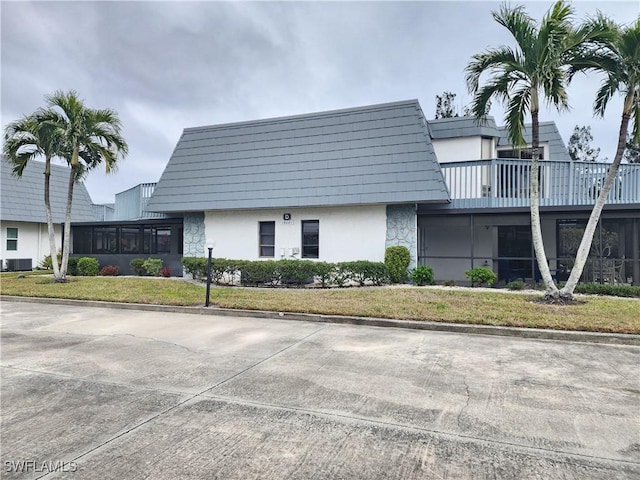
[519,105]
[519,23]
[607,89]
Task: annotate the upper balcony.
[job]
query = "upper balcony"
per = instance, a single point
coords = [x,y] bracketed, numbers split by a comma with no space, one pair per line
[504,183]
[132,204]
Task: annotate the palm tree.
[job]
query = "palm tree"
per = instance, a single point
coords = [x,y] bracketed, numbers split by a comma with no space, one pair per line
[618,57]
[537,69]
[92,137]
[28,138]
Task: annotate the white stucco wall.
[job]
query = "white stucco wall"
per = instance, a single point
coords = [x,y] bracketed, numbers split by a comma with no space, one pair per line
[457,149]
[33,241]
[346,233]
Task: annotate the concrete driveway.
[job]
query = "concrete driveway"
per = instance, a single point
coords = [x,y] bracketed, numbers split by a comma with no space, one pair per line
[101,393]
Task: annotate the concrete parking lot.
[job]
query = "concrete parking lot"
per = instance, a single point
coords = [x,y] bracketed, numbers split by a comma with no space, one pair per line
[100,393]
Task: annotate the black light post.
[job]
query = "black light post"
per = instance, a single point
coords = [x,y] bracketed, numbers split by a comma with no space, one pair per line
[210,248]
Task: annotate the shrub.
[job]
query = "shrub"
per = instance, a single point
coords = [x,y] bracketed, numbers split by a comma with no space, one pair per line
[614,290]
[363,271]
[88,267]
[259,273]
[166,272]
[72,266]
[295,272]
[324,272]
[47,264]
[516,285]
[218,268]
[137,266]
[481,276]
[341,274]
[196,267]
[422,275]
[152,266]
[397,260]
[232,269]
[109,271]
[377,273]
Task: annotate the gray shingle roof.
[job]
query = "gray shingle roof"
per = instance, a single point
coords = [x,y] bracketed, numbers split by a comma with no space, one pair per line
[462,127]
[374,154]
[23,198]
[548,133]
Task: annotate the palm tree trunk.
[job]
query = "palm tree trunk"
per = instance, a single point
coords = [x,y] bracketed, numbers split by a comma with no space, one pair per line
[536,231]
[67,225]
[47,207]
[587,238]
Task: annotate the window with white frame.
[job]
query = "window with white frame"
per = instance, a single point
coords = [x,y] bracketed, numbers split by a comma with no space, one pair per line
[12,238]
[310,239]
[267,242]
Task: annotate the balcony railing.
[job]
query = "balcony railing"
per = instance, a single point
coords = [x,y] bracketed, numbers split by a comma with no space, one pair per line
[500,183]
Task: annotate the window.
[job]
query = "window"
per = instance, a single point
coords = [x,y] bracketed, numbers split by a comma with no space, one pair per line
[163,240]
[12,238]
[105,240]
[267,239]
[310,238]
[82,240]
[130,240]
[524,153]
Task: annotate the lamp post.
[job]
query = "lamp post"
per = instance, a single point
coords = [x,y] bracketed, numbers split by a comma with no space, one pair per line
[210,248]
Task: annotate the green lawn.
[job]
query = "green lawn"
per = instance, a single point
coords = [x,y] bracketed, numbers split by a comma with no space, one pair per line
[592,313]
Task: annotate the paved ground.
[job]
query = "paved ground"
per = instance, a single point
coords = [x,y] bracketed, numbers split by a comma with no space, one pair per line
[124,394]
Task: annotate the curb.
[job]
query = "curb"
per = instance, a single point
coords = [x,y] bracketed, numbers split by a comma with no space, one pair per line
[535,333]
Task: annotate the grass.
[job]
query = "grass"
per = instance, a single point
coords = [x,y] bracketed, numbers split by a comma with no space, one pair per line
[601,314]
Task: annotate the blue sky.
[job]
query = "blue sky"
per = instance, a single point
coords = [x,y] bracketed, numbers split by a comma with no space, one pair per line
[166,66]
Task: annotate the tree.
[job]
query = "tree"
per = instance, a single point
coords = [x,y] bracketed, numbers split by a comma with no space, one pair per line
[617,55]
[66,129]
[580,149]
[521,78]
[91,137]
[28,138]
[632,151]
[445,105]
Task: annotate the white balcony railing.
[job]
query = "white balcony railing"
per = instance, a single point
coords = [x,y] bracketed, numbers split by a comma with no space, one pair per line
[505,183]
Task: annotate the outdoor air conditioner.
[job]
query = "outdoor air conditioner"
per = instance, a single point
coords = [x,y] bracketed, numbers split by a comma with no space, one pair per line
[19,264]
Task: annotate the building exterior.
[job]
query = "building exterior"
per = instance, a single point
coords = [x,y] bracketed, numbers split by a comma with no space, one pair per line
[487,222]
[125,230]
[330,186]
[24,235]
[343,185]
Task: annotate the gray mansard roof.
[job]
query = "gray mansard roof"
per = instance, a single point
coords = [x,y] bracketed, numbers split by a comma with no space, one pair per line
[23,198]
[548,133]
[377,154]
[456,127]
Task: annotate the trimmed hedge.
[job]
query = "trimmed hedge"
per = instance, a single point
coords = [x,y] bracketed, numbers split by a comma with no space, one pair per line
[614,290]
[397,260]
[287,272]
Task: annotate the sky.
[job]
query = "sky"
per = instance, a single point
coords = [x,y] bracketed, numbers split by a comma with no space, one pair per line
[166,66]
